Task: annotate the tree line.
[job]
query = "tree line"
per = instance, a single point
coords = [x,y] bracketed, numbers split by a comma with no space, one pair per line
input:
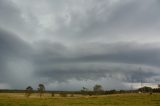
[97,90]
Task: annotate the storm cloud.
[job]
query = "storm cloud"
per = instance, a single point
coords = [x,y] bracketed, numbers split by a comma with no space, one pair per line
[70,44]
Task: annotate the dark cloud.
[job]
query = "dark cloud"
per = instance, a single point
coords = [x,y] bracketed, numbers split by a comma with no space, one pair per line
[111,21]
[133,53]
[50,62]
[74,43]
[11,44]
[94,61]
[10,15]
[14,56]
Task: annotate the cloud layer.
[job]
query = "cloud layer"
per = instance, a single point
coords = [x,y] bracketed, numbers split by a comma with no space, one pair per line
[70,44]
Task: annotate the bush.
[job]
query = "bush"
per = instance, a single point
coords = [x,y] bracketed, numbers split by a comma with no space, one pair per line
[52,95]
[63,94]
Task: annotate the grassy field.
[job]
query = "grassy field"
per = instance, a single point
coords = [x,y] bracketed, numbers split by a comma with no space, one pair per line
[12,99]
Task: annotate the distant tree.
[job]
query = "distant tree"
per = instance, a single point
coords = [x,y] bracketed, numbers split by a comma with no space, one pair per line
[84,91]
[111,91]
[98,89]
[63,94]
[29,91]
[159,86]
[41,89]
[52,94]
[156,90]
[145,89]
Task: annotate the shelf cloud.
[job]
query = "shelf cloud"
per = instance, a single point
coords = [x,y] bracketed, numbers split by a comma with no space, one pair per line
[70,44]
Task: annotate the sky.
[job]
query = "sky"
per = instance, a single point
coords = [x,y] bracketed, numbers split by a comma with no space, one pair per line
[70,44]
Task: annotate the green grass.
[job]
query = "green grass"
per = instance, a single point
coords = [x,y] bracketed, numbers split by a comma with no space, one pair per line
[77,100]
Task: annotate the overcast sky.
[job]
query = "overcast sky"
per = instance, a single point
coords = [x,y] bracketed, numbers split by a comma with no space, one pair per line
[68,44]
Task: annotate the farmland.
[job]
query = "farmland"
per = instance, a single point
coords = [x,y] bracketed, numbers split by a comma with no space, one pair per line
[19,99]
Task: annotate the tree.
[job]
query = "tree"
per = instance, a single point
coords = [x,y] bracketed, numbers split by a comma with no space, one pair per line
[29,91]
[52,94]
[98,89]
[41,89]
[84,91]
[145,89]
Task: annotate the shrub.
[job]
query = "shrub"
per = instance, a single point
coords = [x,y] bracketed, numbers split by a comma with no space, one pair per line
[52,94]
[63,94]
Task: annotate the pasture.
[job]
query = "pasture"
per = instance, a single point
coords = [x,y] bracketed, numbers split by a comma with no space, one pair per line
[19,99]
